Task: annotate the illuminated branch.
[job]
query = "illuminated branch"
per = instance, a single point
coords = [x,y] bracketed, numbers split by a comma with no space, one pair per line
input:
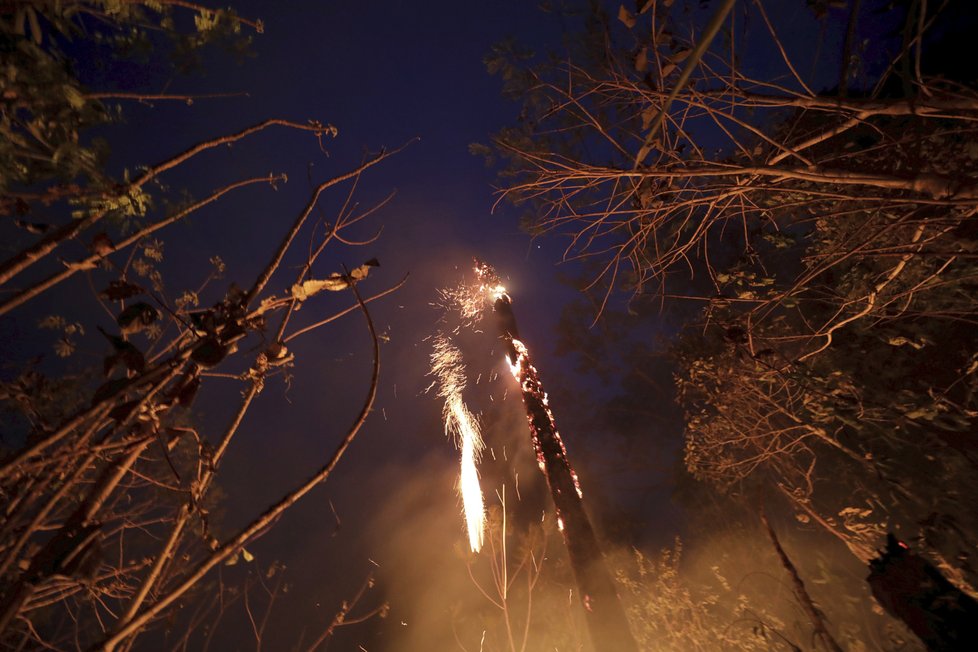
[131,625]
[49,243]
[813,612]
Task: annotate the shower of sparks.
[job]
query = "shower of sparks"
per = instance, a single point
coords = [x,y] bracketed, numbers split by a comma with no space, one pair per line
[471,300]
[447,367]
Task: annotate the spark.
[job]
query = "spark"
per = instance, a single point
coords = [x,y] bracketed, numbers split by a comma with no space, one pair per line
[461,425]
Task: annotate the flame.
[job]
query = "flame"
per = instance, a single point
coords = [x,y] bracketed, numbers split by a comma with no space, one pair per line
[528,378]
[461,425]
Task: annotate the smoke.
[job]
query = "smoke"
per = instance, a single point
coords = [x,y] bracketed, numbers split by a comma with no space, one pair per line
[433,581]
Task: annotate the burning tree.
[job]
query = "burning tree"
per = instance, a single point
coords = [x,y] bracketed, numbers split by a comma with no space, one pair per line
[604,615]
[107,485]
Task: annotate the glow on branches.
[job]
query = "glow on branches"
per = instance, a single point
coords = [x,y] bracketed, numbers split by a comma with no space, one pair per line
[460,424]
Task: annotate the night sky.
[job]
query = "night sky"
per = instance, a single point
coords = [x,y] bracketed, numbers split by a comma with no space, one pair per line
[383,74]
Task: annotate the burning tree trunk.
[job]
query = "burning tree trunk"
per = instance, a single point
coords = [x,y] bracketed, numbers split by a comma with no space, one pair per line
[605,617]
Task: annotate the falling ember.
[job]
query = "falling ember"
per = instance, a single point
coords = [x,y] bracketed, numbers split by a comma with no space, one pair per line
[446,365]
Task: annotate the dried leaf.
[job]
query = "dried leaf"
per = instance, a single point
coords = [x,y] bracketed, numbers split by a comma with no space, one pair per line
[108,389]
[333,283]
[209,352]
[125,354]
[188,391]
[360,272]
[680,55]
[626,17]
[120,290]
[122,412]
[642,60]
[277,351]
[37,228]
[137,317]
[901,341]
[306,289]
[35,25]
[101,245]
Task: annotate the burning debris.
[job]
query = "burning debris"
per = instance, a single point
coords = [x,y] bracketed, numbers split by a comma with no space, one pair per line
[605,617]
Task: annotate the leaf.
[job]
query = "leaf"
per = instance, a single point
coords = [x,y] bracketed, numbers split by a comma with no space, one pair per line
[64,347]
[125,354]
[209,352]
[901,341]
[277,351]
[130,357]
[120,290]
[36,228]
[361,272]
[35,25]
[642,60]
[137,317]
[626,17]
[243,554]
[648,115]
[306,289]
[108,389]
[122,412]
[334,282]
[101,245]
[680,55]
[188,391]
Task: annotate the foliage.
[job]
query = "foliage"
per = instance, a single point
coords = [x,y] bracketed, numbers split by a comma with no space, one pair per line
[823,224]
[671,613]
[110,492]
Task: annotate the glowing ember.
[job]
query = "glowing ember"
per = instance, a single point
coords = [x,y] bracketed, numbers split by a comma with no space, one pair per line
[526,375]
[446,365]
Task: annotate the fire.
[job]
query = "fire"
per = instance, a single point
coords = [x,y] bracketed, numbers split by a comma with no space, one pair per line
[606,618]
[528,378]
[462,427]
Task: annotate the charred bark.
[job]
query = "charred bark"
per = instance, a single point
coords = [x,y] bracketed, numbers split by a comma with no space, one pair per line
[605,617]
